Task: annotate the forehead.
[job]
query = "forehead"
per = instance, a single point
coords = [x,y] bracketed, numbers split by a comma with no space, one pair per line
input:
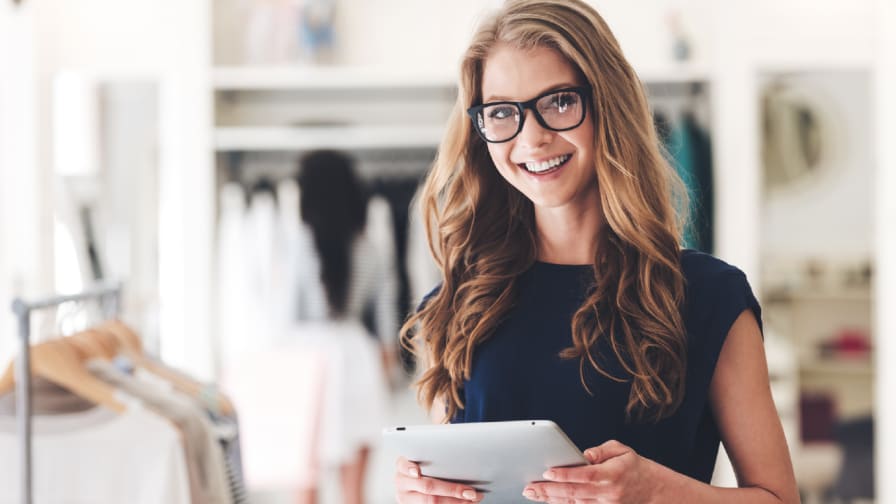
[520,74]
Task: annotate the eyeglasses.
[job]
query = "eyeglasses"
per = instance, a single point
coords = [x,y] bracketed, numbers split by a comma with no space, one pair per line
[557,110]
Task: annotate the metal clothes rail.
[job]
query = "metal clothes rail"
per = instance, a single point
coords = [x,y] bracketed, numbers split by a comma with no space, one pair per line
[110,294]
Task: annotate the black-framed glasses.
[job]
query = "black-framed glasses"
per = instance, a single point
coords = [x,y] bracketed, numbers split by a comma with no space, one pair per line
[556,110]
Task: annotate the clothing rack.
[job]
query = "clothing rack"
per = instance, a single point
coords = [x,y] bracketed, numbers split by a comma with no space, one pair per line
[110,295]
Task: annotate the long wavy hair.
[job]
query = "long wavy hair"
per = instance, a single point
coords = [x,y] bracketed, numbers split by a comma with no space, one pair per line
[481,230]
[334,205]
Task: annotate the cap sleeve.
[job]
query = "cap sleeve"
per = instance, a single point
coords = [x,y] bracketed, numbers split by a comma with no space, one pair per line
[718,302]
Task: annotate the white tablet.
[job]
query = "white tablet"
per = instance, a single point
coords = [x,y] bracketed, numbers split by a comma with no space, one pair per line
[497,458]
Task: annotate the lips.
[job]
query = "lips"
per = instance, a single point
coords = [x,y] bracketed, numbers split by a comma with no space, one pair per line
[546,166]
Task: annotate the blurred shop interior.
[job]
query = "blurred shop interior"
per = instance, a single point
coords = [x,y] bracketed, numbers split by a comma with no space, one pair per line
[154,147]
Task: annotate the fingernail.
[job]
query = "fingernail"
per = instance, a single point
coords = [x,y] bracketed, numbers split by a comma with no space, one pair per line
[529,494]
[548,475]
[589,455]
[414,472]
[469,494]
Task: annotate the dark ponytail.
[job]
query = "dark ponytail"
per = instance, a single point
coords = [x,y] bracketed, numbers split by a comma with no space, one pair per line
[334,205]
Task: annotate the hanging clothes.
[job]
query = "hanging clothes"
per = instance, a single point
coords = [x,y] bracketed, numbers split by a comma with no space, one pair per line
[288,205]
[704,193]
[265,262]
[233,320]
[205,459]
[690,149]
[399,191]
[98,456]
[381,233]
[47,398]
[224,419]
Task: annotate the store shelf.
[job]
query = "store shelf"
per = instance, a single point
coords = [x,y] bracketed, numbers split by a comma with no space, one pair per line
[820,295]
[838,367]
[674,73]
[820,63]
[336,77]
[245,78]
[306,138]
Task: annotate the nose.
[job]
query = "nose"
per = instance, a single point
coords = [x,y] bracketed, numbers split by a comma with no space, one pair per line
[533,134]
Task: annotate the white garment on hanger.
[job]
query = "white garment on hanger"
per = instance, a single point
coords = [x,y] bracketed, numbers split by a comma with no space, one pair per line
[233,320]
[381,233]
[264,254]
[98,457]
[198,434]
[288,201]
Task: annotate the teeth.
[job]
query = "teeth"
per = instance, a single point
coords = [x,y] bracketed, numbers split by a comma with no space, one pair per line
[546,165]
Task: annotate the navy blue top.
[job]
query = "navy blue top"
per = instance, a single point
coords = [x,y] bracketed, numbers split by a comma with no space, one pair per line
[518,375]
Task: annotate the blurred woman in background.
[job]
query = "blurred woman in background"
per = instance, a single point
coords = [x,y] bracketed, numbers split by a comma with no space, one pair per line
[340,279]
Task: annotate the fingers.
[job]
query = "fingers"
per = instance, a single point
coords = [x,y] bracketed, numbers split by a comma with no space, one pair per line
[583,484]
[562,493]
[406,467]
[412,487]
[440,488]
[606,451]
[597,473]
[415,498]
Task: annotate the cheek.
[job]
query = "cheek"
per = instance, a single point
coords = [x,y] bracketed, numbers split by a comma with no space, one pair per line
[500,154]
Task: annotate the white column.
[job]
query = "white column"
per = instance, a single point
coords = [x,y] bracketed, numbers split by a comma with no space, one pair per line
[885,273]
[186,221]
[736,142]
[20,233]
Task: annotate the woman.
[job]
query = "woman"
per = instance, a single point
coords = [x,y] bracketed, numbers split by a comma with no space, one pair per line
[341,278]
[565,294]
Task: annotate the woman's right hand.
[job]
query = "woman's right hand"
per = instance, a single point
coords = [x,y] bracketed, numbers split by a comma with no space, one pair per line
[412,488]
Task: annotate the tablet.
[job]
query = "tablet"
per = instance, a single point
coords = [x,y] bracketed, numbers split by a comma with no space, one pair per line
[497,458]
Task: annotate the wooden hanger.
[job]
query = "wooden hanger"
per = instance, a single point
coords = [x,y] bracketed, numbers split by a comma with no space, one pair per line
[92,344]
[126,339]
[86,344]
[60,362]
[133,348]
[8,380]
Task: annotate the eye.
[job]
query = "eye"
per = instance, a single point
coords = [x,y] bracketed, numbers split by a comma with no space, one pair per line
[500,112]
[561,101]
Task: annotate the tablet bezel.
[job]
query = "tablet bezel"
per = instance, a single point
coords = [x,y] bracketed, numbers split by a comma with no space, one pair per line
[497,458]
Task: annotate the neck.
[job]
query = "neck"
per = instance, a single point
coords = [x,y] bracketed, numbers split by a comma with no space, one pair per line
[567,235]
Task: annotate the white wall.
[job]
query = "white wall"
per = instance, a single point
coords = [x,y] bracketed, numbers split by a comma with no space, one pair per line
[831,215]
[20,234]
[165,41]
[885,275]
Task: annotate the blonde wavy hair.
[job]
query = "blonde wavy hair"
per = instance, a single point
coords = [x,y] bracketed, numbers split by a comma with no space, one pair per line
[481,230]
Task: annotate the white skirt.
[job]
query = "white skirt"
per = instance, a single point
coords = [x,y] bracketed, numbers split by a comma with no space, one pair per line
[355,394]
[309,404]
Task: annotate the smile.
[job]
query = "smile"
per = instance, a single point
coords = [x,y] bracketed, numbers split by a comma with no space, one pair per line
[543,167]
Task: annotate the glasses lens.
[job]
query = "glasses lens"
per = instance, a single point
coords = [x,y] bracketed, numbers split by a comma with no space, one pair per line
[561,110]
[498,122]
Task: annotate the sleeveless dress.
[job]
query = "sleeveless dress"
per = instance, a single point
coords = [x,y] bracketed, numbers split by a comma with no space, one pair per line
[518,375]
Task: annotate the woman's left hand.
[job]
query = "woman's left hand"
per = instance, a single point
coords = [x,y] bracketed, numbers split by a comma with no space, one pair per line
[615,475]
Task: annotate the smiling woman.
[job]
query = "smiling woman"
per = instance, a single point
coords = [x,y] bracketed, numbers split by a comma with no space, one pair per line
[559,140]
[565,293]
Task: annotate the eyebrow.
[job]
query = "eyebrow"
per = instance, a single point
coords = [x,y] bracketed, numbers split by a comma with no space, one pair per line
[493,98]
